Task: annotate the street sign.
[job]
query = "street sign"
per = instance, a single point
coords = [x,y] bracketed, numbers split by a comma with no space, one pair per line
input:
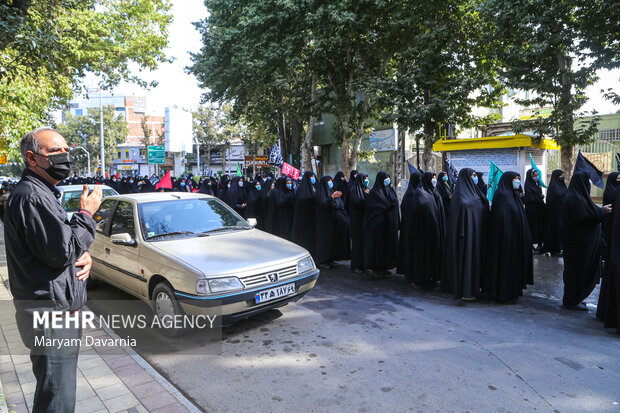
[157,154]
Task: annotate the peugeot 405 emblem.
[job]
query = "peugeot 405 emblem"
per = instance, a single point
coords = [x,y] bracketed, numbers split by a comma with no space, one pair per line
[273,277]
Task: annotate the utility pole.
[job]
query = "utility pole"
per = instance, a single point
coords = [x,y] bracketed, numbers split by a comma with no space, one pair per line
[101,133]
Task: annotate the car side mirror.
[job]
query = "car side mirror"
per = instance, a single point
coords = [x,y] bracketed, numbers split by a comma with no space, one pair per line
[253,222]
[123,239]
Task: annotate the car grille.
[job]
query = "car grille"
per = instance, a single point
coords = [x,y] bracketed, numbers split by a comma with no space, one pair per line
[263,278]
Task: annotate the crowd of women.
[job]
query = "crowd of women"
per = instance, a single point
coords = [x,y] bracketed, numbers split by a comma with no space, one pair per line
[441,235]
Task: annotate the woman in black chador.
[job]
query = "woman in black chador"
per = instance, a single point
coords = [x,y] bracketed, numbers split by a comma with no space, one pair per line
[534,206]
[425,230]
[206,187]
[481,184]
[332,224]
[509,246]
[608,309]
[358,192]
[341,185]
[465,238]
[553,210]
[303,232]
[582,240]
[254,207]
[235,195]
[281,204]
[405,206]
[381,226]
[445,190]
[267,185]
[613,182]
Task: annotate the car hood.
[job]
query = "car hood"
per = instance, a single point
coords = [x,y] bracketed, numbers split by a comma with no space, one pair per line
[234,252]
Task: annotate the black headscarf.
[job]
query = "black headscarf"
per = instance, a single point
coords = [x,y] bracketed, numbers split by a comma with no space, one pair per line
[533,191]
[445,190]
[281,204]
[341,185]
[235,195]
[405,207]
[608,309]
[206,187]
[355,207]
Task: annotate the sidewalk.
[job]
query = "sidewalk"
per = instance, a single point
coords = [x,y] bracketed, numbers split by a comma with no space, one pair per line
[116,380]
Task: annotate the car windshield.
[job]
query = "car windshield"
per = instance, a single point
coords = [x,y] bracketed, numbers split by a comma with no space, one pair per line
[187,218]
[71,199]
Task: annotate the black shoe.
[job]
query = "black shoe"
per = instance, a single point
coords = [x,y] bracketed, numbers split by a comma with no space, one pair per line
[578,307]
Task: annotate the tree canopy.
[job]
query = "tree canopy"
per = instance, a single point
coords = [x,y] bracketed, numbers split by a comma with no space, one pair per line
[48,46]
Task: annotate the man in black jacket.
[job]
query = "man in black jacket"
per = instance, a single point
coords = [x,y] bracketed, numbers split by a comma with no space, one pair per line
[48,263]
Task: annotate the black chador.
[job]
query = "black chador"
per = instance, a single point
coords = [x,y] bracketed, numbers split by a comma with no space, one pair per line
[509,245]
[608,198]
[381,226]
[268,184]
[206,187]
[425,231]
[608,308]
[405,206]
[465,239]
[235,195]
[356,207]
[303,217]
[281,204]
[582,241]
[332,225]
[254,208]
[553,211]
[534,207]
[445,190]
[341,185]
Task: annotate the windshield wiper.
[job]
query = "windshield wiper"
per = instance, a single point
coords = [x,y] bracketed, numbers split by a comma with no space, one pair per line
[173,233]
[224,228]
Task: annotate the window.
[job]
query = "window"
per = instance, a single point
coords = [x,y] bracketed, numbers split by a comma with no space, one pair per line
[71,199]
[102,216]
[609,134]
[118,154]
[79,112]
[126,153]
[142,153]
[123,220]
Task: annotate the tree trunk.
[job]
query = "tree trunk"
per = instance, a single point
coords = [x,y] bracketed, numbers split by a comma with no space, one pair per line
[296,131]
[429,132]
[566,124]
[568,161]
[306,146]
[346,148]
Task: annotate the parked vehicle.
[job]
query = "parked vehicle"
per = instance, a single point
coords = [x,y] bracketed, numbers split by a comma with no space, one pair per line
[188,253]
[70,199]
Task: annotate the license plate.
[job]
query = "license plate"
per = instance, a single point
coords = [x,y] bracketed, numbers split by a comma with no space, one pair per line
[273,293]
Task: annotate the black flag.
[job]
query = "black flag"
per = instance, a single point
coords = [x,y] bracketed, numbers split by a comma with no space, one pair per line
[584,165]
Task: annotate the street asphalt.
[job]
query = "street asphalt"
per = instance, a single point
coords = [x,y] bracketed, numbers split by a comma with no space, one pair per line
[355,344]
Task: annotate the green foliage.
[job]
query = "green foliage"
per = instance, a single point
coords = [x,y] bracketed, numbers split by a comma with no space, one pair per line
[84,131]
[553,48]
[48,46]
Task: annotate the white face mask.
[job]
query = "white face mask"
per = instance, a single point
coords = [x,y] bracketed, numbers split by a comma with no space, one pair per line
[434,182]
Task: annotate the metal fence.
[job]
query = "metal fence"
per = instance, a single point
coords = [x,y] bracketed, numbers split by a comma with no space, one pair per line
[601,153]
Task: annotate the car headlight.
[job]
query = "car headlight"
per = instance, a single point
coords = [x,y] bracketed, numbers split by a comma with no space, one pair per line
[202,287]
[305,264]
[218,285]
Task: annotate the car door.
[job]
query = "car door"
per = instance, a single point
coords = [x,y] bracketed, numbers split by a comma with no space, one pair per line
[102,218]
[123,260]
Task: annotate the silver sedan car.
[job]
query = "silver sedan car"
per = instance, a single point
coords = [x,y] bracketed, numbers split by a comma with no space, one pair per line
[190,253]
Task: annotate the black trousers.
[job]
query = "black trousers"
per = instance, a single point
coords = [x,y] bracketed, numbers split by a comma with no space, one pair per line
[54,354]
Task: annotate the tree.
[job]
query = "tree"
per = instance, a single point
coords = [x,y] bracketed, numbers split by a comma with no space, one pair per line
[48,46]
[84,131]
[440,71]
[548,47]
[146,132]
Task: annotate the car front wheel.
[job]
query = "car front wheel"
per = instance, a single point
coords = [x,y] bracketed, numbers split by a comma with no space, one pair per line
[167,309]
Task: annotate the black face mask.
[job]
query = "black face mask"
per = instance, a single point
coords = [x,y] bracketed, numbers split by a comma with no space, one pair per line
[60,165]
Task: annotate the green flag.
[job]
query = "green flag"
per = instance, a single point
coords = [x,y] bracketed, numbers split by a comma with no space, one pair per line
[493,180]
[540,175]
[239,172]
